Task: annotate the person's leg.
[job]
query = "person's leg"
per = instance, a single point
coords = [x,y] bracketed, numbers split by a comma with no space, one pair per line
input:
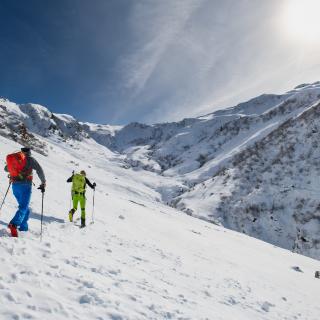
[22,192]
[24,224]
[83,210]
[75,200]
[16,190]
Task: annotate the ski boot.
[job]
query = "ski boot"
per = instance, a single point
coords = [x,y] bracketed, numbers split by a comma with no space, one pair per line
[13,230]
[83,223]
[71,213]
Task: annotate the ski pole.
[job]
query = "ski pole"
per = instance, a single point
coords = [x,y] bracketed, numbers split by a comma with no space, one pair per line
[94,190]
[5,196]
[70,201]
[71,195]
[42,189]
[41,216]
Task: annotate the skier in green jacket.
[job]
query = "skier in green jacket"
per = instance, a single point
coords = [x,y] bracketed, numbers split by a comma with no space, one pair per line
[79,182]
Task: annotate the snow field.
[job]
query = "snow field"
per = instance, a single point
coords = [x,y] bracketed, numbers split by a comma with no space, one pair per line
[140,259]
[214,167]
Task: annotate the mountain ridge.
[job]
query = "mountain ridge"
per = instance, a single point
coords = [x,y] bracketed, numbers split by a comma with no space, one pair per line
[196,154]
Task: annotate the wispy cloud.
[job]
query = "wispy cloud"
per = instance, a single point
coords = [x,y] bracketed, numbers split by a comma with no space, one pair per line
[157,26]
[181,56]
[190,57]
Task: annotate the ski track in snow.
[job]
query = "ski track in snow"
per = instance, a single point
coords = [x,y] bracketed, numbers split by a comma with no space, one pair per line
[140,259]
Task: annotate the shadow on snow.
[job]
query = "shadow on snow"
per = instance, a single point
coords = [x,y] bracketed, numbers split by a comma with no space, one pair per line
[37,216]
[47,219]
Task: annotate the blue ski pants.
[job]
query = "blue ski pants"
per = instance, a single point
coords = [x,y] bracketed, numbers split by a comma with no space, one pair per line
[22,192]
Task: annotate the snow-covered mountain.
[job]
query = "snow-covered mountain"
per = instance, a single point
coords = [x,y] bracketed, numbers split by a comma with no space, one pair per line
[141,259]
[252,168]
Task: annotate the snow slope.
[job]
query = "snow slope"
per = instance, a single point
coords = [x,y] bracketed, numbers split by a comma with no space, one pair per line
[270,195]
[186,157]
[140,259]
[269,190]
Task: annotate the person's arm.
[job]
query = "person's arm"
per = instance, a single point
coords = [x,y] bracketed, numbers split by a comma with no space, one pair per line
[36,166]
[92,186]
[70,179]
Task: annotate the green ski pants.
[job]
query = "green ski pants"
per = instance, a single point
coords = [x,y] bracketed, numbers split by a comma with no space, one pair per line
[76,198]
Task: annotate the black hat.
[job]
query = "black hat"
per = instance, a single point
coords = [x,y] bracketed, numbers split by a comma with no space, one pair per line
[26,150]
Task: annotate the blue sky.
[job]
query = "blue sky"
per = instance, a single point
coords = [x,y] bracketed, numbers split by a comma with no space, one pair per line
[116,61]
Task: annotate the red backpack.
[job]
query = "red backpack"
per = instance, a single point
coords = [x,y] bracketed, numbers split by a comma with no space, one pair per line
[16,164]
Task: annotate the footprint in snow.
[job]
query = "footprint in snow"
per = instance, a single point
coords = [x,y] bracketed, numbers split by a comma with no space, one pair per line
[88,284]
[231,301]
[114,316]
[266,306]
[15,317]
[182,298]
[139,259]
[114,272]
[54,266]
[47,244]
[26,316]
[10,297]
[296,268]
[73,262]
[4,233]
[207,294]
[91,298]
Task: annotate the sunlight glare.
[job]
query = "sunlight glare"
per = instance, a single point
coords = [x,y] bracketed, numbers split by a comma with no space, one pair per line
[302,21]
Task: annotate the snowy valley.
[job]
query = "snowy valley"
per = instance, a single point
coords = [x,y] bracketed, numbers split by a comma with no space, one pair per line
[252,168]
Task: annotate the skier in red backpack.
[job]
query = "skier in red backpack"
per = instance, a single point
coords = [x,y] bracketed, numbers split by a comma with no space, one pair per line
[20,166]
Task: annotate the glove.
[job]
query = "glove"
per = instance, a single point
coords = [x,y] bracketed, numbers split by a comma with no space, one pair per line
[94,185]
[42,187]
